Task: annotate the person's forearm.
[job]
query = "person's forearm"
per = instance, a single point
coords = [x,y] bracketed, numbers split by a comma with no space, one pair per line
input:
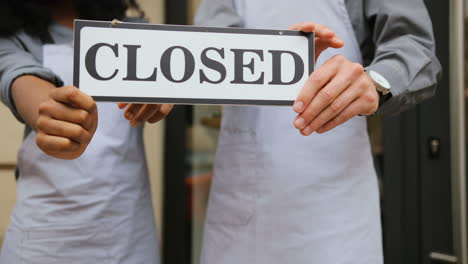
[28,93]
[405,56]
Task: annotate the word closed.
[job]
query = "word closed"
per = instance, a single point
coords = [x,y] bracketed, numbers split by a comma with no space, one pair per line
[132,62]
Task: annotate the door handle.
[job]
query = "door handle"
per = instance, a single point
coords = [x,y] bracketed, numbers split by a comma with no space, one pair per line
[434,147]
[443,258]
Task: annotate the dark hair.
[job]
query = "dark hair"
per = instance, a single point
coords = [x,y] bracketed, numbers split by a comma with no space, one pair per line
[33,16]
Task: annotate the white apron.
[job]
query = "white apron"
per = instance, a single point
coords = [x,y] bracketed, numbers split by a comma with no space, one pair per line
[95,209]
[279,197]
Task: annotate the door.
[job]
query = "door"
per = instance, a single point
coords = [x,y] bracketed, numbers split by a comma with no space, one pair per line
[424,207]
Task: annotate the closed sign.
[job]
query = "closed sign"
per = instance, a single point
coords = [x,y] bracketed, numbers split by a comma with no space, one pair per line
[129,62]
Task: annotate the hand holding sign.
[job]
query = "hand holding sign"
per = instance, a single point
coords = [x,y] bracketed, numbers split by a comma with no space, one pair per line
[325,38]
[138,114]
[336,92]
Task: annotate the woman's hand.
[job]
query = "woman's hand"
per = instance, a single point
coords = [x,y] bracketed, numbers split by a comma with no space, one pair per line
[335,92]
[138,114]
[66,123]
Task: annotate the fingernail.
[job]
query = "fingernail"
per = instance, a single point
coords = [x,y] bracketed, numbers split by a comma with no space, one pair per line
[300,123]
[307,130]
[299,107]
[136,124]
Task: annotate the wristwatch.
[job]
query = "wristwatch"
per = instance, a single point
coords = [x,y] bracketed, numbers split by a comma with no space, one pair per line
[382,85]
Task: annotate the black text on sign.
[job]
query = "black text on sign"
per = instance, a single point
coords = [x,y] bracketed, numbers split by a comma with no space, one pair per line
[190,65]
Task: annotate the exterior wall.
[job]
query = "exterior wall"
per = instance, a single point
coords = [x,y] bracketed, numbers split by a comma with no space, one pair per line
[11,136]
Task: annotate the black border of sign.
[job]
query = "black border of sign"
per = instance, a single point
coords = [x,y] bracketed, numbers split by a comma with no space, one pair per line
[80,24]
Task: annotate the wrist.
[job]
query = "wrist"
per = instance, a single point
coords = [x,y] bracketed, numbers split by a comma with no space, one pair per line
[382,86]
[28,100]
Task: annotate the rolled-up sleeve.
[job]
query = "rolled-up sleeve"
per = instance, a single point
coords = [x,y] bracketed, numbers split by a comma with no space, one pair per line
[404,51]
[218,13]
[15,62]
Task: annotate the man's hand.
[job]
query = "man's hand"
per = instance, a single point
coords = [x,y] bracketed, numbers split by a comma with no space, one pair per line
[336,92]
[66,123]
[324,37]
[138,114]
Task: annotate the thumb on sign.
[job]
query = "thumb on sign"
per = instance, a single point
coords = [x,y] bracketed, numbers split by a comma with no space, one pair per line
[325,38]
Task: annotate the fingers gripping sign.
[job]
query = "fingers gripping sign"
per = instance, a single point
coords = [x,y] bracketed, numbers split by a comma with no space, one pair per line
[138,114]
[324,37]
[336,92]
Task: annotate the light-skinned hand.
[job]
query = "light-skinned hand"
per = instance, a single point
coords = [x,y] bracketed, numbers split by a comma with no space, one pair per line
[335,92]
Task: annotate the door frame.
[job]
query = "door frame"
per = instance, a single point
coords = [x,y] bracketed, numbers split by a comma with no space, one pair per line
[458,133]
[175,229]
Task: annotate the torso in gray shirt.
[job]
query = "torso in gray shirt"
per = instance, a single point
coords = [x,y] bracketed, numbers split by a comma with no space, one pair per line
[395,37]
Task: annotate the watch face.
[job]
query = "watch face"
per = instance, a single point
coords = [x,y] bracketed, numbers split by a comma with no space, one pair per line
[379,79]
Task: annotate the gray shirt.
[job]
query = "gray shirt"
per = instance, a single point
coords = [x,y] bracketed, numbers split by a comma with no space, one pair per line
[21,55]
[395,37]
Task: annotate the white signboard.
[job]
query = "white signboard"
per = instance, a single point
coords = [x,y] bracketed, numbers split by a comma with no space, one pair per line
[129,62]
